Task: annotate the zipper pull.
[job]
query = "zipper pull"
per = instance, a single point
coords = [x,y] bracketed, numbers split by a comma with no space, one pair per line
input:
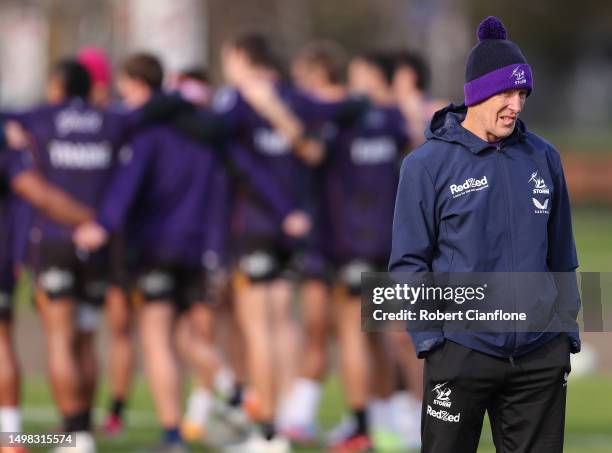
[511,361]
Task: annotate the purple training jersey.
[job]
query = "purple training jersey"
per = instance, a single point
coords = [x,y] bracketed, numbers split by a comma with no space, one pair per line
[269,149]
[76,147]
[11,164]
[358,183]
[168,196]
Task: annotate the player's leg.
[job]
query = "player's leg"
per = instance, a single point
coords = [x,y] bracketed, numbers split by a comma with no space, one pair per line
[252,312]
[315,299]
[10,414]
[383,380]
[354,365]
[407,400]
[121,355]
[57,292]
[87,358]
[159,285]
[300,409]
[119,316]
[202,356]
[252,297]
[284,330]
[64,371]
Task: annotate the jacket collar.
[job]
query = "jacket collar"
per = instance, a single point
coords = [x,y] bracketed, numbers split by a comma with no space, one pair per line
[446,126]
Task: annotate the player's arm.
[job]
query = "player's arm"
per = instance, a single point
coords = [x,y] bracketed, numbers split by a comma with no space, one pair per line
[49,199]
[118,199]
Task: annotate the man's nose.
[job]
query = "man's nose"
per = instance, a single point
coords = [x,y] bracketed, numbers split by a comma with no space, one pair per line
[515,103]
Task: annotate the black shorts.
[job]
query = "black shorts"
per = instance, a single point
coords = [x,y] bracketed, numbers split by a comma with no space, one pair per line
[6,304]
[179,284]
[62,272]
[264,261]
[7,286]
[118,262]
[348,272]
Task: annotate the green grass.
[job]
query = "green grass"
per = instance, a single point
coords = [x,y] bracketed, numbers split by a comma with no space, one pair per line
[588,424]
[592,228]
[589,413]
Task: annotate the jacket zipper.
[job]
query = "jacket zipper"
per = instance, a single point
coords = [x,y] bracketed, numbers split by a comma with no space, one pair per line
[501,158]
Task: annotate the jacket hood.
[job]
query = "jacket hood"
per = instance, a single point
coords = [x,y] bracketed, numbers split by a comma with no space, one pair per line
[446,126]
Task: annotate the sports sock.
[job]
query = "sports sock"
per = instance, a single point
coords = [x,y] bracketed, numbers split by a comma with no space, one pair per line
[172,436]
[78,422]
[117,406]
[267,429]
[198,406]
[10,419]
[361,417]
[237,395]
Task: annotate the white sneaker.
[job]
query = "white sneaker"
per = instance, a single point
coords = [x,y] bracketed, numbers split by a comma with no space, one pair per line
[84,443]
[342,430]
[407,419]
[257,444]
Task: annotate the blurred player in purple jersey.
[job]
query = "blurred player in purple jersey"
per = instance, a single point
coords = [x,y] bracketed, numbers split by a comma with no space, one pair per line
[17,177]
[97,64]
[117,307]
[357,220]
[75,146]
[411,88]
[194,85]
[320,71]
[263,253]
[169,196]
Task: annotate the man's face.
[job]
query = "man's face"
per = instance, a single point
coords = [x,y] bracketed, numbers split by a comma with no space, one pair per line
[133,92]
[498,114]
[308,76]
[55,89]
[404,82]
[362,76]
[235,64]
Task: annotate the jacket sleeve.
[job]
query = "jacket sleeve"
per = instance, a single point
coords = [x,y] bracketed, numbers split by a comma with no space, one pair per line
[561,259]
[123,190]
[414,238]
[217,224]
[259,179]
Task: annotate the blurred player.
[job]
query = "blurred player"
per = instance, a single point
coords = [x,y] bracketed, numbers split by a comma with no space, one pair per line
[263,293]
[411,88]
[18,176]
[164,195]
[75,146]
[362,157]
[320,71]
[97,64]
[117,307]
[194,85]
[161,195]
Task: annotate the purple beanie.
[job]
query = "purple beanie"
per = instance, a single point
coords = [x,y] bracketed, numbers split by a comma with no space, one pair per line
[495,64]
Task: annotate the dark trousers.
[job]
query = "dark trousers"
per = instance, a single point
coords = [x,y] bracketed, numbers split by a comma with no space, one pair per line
[525,399]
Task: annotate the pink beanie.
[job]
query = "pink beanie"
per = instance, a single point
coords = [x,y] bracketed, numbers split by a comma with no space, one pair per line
[96,62]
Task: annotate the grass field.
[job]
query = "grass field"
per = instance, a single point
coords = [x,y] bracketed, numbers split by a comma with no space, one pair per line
[589,423]
[589,413]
